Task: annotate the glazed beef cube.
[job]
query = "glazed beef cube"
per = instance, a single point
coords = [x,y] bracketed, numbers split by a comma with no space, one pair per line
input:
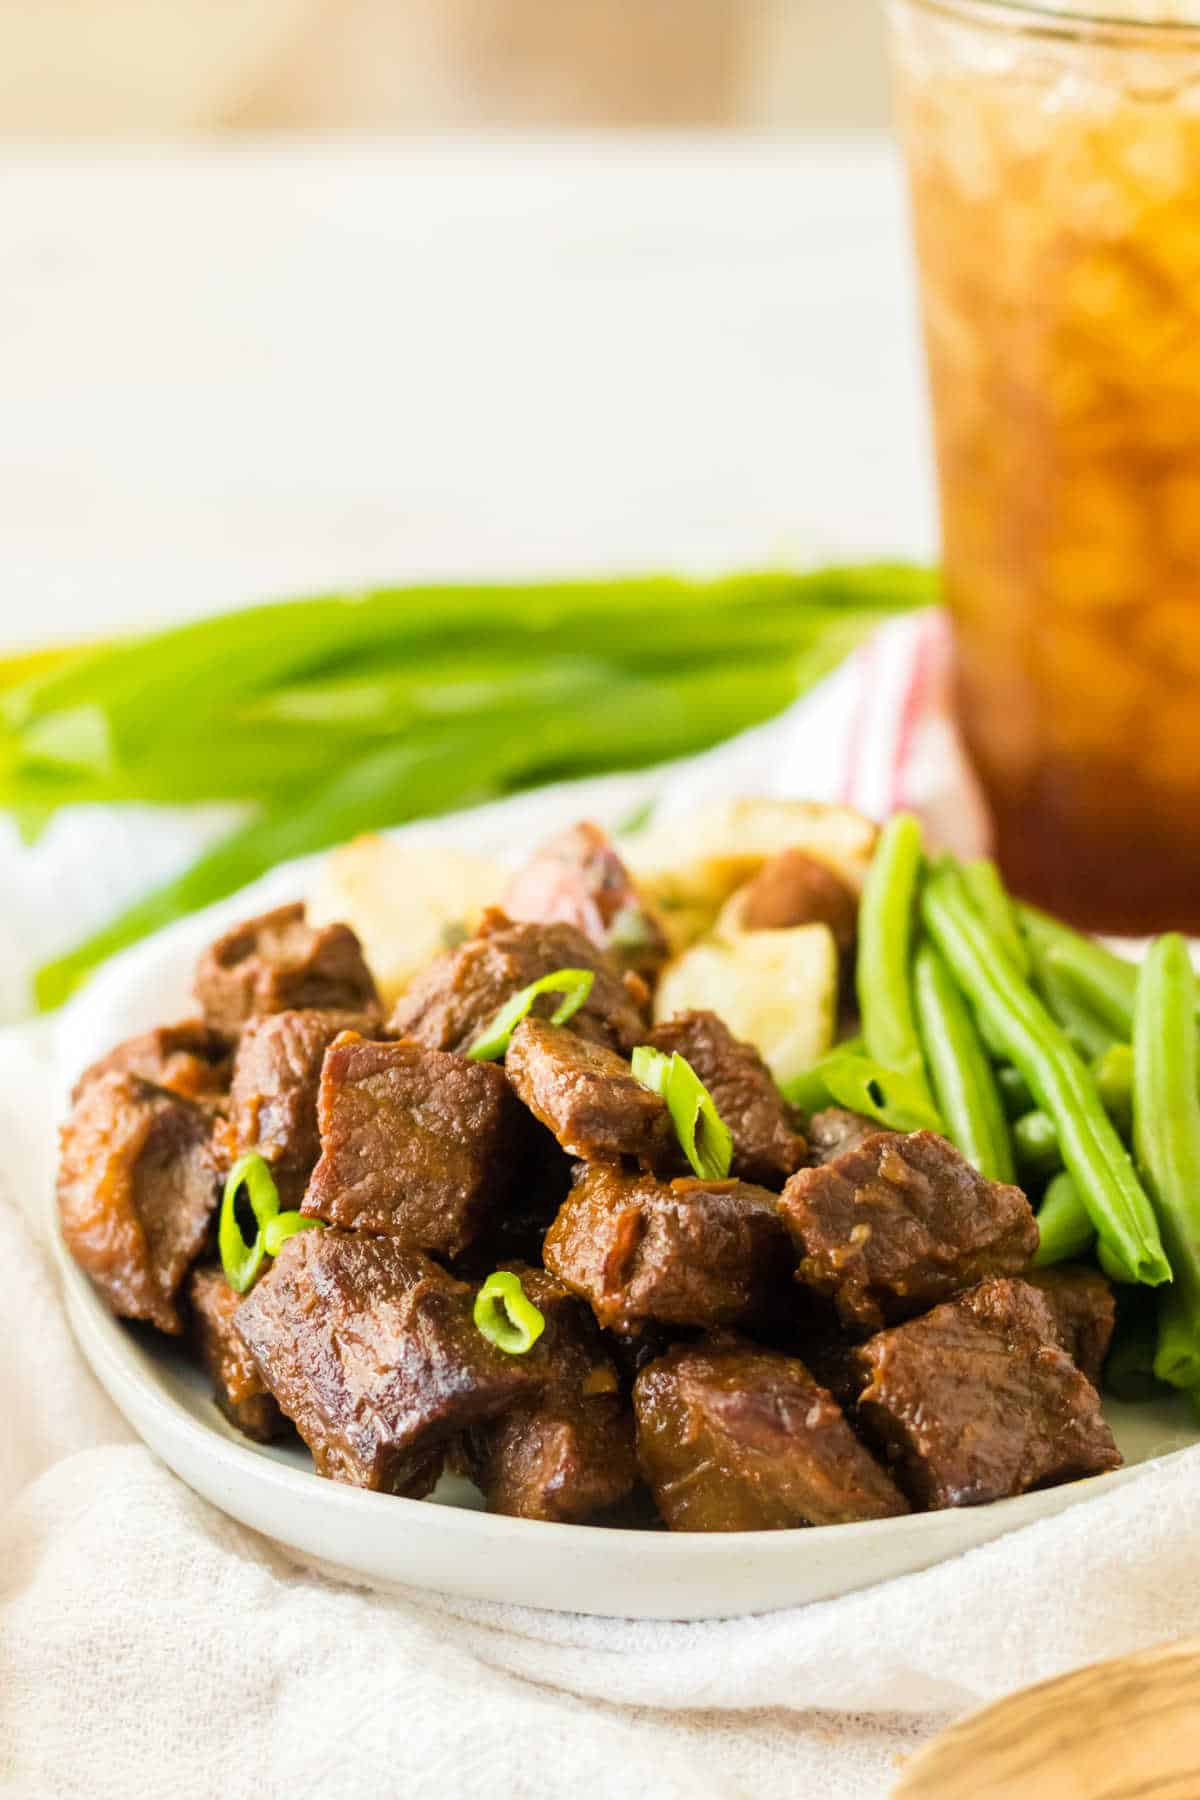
[448,1005]
[373,1353]
[686,1252]
[569,1453]
[901,1222]
[733,1438]
[188,1059]
[238,1388]
[1084,1310]
[834,1131]
[415,1144]
[137,1190]
[273,1100]
[978,1400]
[578,879]
[765,1147]
[794,888]
[281,963]
[587,1097]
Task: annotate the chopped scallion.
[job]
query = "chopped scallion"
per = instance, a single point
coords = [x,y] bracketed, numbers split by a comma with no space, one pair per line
[276,1231]
[574,984]
[505,1317]
[242,1261]
[895,1102]
[703,1135]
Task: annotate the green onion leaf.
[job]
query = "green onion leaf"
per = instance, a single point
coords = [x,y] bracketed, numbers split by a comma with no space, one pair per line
[505,1317]
[703,1135]
[276,1231]
[895,1102]
[242,1261]
[574,984]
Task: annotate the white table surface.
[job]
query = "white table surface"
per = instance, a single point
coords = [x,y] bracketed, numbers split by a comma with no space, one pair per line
[235,373]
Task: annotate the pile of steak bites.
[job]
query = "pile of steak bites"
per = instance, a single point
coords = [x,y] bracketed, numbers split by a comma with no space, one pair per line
[845,1329]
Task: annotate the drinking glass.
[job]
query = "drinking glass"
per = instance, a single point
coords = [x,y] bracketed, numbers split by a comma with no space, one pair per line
[1054,164]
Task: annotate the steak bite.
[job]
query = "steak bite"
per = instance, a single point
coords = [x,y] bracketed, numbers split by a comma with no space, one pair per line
[568,1453]
[448,1005]
[1084,1310]
[978,1400]
[415,1144]
[793,888]
[899,1223]
[586,1095]
[579,879]
[281,963]
[373,1353]
[733,1438]
[835,1130]
[686,1252]
[188,1059]
[765,1147]
[137,1190]
[273,1100]
[238,1388]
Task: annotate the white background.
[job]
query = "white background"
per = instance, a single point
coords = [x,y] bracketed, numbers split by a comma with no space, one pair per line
[228,375]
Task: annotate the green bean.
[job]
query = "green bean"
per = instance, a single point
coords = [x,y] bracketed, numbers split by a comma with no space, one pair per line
[1114,1078]
[1064,1229]
[1014,1091]
[885,930]
[1035,1141]
[1166,1135]
[990,899]
[963,1083]
[1062,1084]
[1097,978]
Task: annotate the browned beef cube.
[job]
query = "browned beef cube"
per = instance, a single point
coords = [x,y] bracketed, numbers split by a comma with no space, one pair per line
[450,1003]
[765,1147]
[1084,1309]
[281,963]
[414,1143]
[794,888]
[188,1059]
[569,1453]
[834,1131]
[978,1400]
[587,1096]
[579,879]
[238,1388]
[273,1100]
[901,1222]
[372,1351]
[137,1190]
[733,1438]
[686,1252]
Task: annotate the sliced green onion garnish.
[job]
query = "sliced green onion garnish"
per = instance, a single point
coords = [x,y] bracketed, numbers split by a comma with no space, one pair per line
[703,1135]
[505,1317]
[242,1261]
[895,1102]
[276,1231]
[574,984]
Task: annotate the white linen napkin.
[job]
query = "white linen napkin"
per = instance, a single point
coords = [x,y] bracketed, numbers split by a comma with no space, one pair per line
[149,1646]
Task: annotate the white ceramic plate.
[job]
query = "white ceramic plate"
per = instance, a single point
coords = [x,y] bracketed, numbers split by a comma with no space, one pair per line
[447,1543]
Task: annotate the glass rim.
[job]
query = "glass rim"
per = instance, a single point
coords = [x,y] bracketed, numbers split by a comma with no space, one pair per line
[1043,19]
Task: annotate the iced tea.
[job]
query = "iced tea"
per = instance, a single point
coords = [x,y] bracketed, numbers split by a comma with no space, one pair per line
[1055,170]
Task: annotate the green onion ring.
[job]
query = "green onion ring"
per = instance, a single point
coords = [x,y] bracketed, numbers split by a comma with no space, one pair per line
[574,984]
[703,1135]
[242,1261]
[276,1231]
[505,1317]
